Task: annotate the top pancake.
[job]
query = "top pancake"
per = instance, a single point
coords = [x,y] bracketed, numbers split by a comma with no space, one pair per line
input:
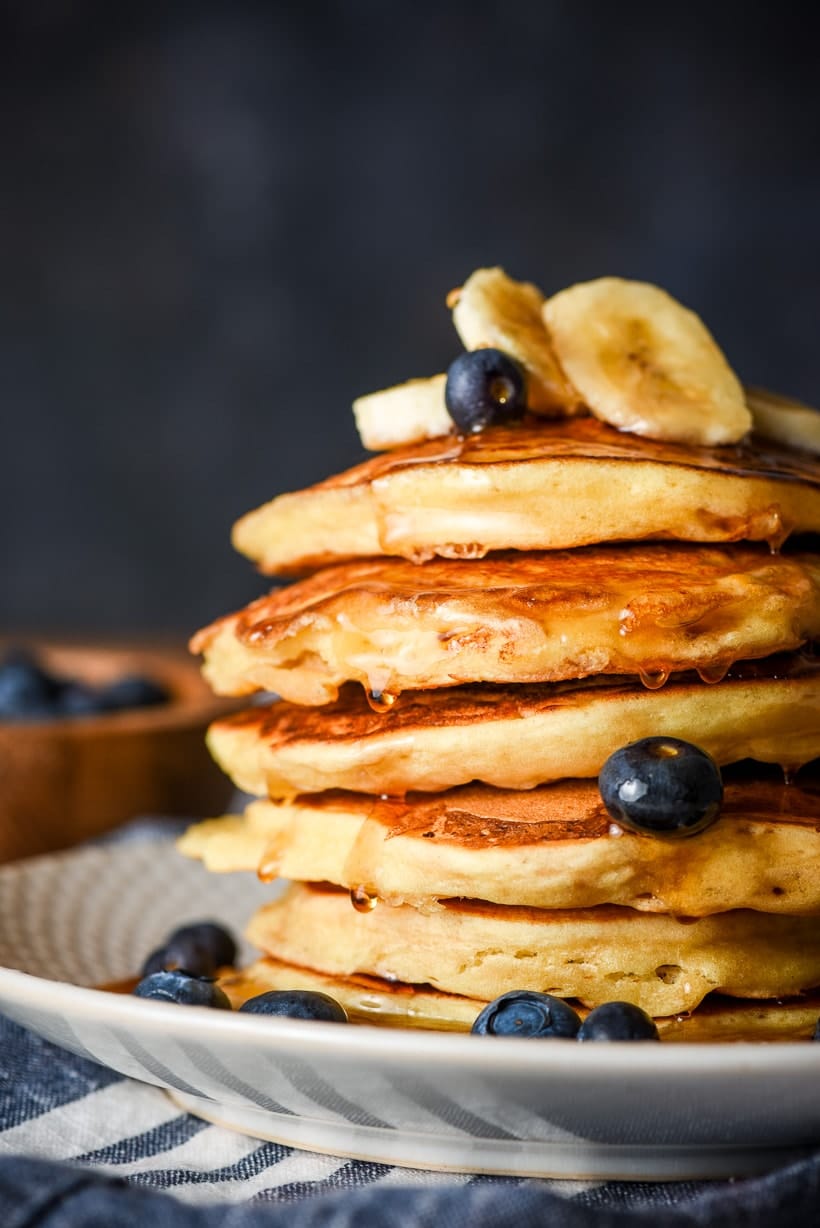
[393,625]
[537,486]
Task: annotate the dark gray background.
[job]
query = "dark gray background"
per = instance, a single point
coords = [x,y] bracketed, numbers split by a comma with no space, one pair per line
[221,222]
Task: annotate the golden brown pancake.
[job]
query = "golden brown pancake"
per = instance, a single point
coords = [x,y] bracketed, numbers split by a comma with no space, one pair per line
[515,737]
[373,1000]
[538,486]
[551,847]
[366,999]
[515,618]
[664,964]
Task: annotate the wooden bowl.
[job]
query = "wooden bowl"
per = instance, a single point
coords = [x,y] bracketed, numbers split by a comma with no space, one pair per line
[67,779]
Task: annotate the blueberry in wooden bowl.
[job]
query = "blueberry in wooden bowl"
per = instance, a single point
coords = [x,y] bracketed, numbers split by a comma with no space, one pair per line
[94,734]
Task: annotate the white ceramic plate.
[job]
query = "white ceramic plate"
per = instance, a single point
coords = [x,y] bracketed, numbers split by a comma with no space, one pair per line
[435,1100]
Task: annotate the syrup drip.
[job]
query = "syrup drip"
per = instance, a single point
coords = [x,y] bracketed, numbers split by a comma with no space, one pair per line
[467,550]
[382,701]
[270,863]
[713,673]
[777,532]
[653,680]
[362,899]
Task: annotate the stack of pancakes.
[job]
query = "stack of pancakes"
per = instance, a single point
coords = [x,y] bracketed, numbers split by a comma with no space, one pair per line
[481,621]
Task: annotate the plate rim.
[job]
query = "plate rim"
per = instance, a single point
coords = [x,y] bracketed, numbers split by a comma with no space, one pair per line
[313,1038]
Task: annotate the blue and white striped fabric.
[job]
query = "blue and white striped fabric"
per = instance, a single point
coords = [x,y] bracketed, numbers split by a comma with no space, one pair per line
[68,1126]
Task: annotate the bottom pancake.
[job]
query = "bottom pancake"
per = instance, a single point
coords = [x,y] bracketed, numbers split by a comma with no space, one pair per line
[663,964]
[397,1004]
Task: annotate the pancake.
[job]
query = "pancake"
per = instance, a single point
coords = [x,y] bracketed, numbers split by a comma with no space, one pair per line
[515,737]
[366,999]
[663,964]
[393,625]
[538,486]
[397,1004]
[552,847]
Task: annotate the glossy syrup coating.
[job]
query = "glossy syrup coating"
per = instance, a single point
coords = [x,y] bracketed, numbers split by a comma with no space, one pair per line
[534,485]
[516,618]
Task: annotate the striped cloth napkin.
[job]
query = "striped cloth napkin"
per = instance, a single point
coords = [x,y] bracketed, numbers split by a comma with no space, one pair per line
[80,1145]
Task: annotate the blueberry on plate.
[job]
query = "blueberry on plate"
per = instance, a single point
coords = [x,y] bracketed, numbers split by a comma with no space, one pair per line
[178,986]
[525,1013]
[618,1021]
[199,949]
[296,1004]
[132,692]
[484,387]
[183,954]
[216,939]
[662,786]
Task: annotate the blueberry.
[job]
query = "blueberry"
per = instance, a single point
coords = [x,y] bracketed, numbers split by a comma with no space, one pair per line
[183,955]
[524,1013]
[178,986]
[662,786]
[484,387]
[618,1021]
[296,1004]
[132,692]
[27,691]
[816,1035]
[198,949]
[78,699]
[218,941]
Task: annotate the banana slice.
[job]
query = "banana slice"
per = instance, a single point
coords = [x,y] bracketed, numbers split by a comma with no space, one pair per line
[491,309]
[406,413]
[783,420]
[645,363]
